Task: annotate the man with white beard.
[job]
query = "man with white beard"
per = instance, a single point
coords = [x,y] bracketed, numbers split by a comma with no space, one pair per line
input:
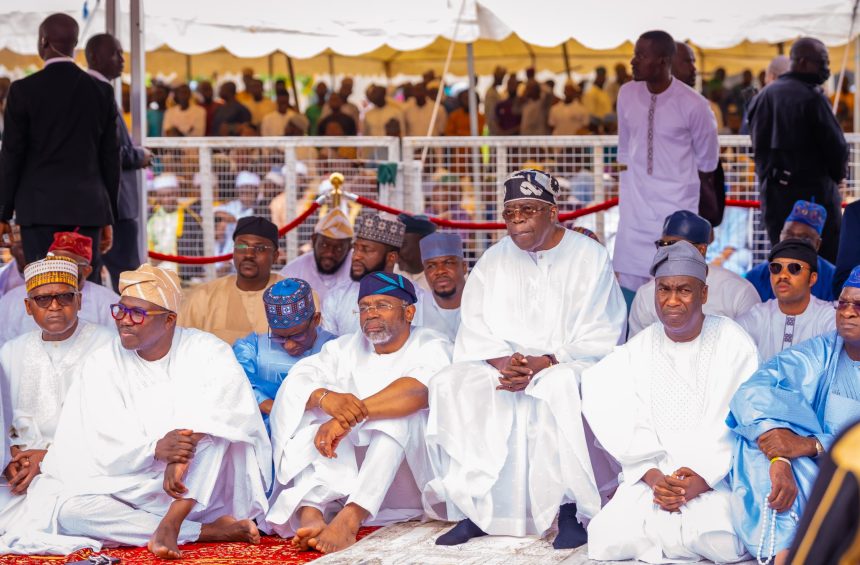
[506,438]
[348,424]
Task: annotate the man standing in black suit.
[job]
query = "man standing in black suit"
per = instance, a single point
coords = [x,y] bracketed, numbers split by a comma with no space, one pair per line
[59,164]
[105,62]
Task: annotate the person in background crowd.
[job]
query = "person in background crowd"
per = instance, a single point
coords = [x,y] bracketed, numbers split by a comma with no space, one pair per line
[314,111]
[105,62]
[59,162]
[231,307]
[341,123]
[622,77]
[231,115]
[570,116]
[729,294]
[670,438]
[328,265]
[805,222]
[535,110]
[458,123]
[595,99]
[174,227]
[785,416]
[509,110]
[95,299]
[36,370]
[293,335]
[794,315]
[667,138]
[416,116]
[184,119]
[800,152]
[348,108]
[377,117]
[207,101]
[259,105]
[275,123]
[492,97]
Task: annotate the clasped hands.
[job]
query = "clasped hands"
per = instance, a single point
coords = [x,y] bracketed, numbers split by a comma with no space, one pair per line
[346,411]
[673,491]
[177,449]
[518,370]
[23,468]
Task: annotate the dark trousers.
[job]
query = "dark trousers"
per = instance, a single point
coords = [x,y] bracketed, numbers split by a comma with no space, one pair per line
[778,200]
[37,239]
[124,255]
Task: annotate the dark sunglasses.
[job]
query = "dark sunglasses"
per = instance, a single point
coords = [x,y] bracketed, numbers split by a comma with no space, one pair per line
[793,268]
[846,304]
[45,300]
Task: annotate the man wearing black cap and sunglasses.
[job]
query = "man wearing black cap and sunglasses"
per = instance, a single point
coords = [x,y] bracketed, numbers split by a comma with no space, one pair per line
[794,315]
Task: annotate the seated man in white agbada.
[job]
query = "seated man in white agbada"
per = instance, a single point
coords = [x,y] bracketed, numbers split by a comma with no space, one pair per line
[348,425]
[160,442]
[506,438]
[658,404]
[36,371]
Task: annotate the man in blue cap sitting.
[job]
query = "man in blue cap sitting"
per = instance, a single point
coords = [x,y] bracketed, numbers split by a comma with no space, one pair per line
[806,222]
[729,295]
[785,416]
[348,424]
[445,272]
[294,334]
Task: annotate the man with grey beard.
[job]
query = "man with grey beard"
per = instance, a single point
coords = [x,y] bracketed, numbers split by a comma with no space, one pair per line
[348,425]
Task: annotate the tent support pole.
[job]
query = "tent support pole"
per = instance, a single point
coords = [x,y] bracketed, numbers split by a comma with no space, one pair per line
[138,108]
[566,59]
[330,71]
[473,102]
[293,82]
[113,27]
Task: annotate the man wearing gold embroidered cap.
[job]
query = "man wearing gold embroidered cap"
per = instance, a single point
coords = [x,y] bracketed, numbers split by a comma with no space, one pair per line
[180,453]
[37,369]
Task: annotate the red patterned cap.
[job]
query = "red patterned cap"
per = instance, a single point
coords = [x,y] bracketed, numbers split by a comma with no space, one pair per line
[73,242]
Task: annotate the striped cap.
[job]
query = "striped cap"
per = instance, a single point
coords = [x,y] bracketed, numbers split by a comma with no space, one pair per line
[51,269]
[152,284]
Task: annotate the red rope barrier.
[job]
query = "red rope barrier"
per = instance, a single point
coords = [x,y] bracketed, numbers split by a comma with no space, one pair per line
[186,260]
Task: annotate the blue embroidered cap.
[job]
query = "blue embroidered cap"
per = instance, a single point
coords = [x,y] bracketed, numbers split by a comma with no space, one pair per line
[288,303]
[382,282]
[853,279]
[532,184]
[809,213]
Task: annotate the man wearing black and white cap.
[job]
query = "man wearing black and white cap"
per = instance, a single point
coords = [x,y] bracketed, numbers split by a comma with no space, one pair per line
[540,306]
[658,405]
[794,315]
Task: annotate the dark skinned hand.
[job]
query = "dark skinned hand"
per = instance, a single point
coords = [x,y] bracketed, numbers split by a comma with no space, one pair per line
[668,497]
[29,462]
[782,442]
[346,408]
[177,446]
[518,370]
[328,438]
[12,468]
[690,482]
[173,476]
[783,487]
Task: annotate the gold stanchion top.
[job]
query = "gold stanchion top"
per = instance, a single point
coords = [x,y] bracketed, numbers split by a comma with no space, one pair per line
[336,180]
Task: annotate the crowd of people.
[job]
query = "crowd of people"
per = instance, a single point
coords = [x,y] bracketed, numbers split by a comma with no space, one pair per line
[651,405]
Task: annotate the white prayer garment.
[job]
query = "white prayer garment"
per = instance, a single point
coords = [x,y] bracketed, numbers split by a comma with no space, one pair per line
[340,318]
[508,460]
[305,267]
[100,483]
[381,483]
[445,321]
[664,140]
[655,403]
[729,295]
[772,331]
[10,277]
[36,375]
[95,308]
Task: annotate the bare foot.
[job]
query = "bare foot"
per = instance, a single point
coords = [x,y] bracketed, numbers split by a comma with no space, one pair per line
[341,532]
[228,528]
[311,523]
[163,544]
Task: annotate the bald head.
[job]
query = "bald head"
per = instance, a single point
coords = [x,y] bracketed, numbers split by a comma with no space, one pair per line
[809,56]
[58,36]
[684,64]
[777,67]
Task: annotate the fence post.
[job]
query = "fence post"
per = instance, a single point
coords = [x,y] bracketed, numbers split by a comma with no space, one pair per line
[207,212]
[291,197]
[501,174]
[599,189]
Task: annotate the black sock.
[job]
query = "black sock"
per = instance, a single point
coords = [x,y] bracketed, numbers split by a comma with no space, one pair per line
[571,534]
[461,533]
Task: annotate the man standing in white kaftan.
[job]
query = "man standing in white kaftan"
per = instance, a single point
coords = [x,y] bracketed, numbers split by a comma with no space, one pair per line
[658,404]
[505,434]
[795,315]
[348,424]
[667,137]
[160,442]
[36,371]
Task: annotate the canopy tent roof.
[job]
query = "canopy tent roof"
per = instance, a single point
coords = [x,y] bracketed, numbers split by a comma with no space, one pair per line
[393,37]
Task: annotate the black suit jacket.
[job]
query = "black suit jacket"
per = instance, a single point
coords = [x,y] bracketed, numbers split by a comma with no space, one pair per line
[849,246]
[59,164]
[132,160]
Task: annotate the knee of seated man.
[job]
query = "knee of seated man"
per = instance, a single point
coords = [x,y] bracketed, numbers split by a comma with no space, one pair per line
[72,510]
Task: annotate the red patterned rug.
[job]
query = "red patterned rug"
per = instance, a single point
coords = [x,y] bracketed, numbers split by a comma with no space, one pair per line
[272,550]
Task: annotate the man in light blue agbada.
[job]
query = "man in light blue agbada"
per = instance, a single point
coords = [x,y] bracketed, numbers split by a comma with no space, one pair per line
[785,416]
[294,334]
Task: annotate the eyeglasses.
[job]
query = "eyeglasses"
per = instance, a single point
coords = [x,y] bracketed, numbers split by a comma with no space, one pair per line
[136,315]
[527,211]
[793,268]
[846,304]
[45,300]
[255,249]
[301,337]
[381,308]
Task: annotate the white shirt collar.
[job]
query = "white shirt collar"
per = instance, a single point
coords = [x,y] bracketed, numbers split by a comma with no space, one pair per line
[98,75]
[62,59]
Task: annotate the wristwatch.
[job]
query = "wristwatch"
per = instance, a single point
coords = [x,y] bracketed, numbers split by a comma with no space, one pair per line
[818,447]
